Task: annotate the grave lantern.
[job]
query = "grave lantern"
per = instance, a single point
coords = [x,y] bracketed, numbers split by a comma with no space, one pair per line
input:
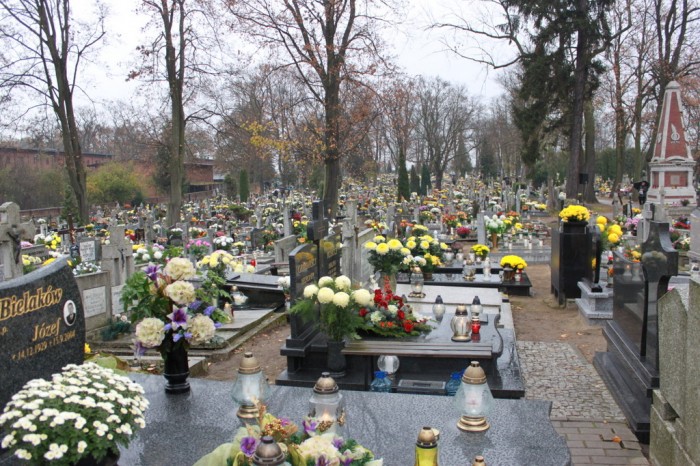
[417,282]
[473,399]
[327,405]
[250,388]
[268,453]
[476,307]
[460,324]
[439,309]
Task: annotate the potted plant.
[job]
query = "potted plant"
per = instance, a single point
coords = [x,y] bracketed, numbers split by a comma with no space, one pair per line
[387,257]
[463,231]
[575,213]
[481,251]
[512,264]
[85,413]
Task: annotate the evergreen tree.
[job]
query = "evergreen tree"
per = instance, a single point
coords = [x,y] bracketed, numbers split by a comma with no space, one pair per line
[415,180]
[487,161]
[243,186]
[463,163]
[404,189]
[230,186]
[425,180]
[70,205]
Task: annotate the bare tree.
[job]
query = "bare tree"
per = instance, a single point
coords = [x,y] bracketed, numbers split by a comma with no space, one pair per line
[443,115]
[42,52]
[328,43]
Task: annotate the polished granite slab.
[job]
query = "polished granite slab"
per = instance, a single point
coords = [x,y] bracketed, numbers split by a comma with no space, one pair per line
[180,429]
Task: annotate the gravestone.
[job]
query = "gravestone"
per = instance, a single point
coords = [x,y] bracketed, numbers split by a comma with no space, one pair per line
[42,327]
[571,259]
[90,249]
[675,411]
[330,255]
[283,247]
[630,365]
[480,228]
[694,252]
[117,256]
[257,240]
[12,232]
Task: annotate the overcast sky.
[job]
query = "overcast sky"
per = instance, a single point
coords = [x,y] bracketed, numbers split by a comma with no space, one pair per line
[418,51]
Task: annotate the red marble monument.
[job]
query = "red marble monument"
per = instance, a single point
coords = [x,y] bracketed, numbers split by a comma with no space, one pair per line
[671,168]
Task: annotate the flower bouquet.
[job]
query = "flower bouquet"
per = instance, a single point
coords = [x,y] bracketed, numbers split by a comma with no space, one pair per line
[154,253]
[85,411]
[514,262]
[387,315]
[481,251]
[575,213]
[313,445]
[224,243]
[338,306]
[387,257]
[164,304]
[198,247]
[463,231]
[429,248]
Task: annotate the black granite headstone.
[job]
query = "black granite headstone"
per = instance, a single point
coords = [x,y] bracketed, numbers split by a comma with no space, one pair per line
[630,365]
[42,326]
[317,228]
[330,255]
[303,268]
[571,259]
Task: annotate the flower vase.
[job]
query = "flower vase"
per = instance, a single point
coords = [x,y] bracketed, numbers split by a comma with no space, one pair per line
[389,282]
[508,274]
[176,370]
[335,359]
[428,276]
[494,241]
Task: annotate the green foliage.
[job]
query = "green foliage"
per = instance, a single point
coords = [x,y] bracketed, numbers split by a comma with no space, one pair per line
[606,162]
[114,182]
[115,328]
[404,189]
[70,205]
[161,175]
[231,186]
[243,185]
[415,180]
[487,161]
[426,184]
[139,301]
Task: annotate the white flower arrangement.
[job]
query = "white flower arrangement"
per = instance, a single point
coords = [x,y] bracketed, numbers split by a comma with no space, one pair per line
[85,268]
[83,411]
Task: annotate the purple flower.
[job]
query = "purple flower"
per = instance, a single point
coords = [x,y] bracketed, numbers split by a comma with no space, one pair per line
[167,327]
[208,311]
[248,446]
[217,324]
[338,442]
[346,461]
[139,349]
[179,318]
[194,305]
[152,271]
[322,461]
[284,421]
[177,337]
[309,426]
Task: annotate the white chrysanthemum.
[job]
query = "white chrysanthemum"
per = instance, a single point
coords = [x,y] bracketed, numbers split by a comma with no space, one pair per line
[81,446]
[202,329]
[325,281]
[343,283]
[376,316]
[341,299]
[362,297]
[150,332]
[179,268]
[392,309]
[158,255]
[180,292]
[310,291]
[325,295]
[318,445]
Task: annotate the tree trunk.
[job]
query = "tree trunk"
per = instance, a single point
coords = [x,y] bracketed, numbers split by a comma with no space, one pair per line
[589,193]
[580,78]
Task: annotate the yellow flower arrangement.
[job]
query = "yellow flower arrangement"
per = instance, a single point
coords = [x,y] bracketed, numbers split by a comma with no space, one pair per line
[514,262]
[575,213]
[480,250]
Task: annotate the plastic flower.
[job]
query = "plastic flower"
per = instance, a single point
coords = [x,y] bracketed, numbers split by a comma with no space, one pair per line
[202,329]
[179,268]
[180,292]
[150,332]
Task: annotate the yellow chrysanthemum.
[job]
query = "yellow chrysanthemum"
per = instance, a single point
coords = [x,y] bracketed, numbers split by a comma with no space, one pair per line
[371,245]
[382,249]
[394,244]
[601,220]
[613,238]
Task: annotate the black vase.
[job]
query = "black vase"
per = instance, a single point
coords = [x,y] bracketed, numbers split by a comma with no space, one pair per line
[574,227]
[176,370]
[336,359]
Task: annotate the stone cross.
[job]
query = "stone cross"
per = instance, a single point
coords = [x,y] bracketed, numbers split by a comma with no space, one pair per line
[317,228]
[287,221]
[12,232]
[480,228]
